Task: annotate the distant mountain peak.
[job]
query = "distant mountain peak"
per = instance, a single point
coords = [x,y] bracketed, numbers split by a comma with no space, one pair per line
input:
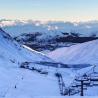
[18,27]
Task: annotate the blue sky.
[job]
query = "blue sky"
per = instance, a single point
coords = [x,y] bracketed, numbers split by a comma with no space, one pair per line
[65,10]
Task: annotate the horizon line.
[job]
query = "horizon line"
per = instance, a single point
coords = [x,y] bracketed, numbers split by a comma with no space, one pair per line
[50,20]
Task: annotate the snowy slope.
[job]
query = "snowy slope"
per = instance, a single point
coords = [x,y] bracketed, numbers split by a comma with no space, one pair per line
[20,83]
[16,82]
[23,83]
[85,53]
[11,51]
[28,84]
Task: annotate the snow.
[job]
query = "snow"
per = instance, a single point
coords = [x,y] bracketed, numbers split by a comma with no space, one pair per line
[30,83]
[27,83]
[85,53]
[16,82]
[67,97]
[12,51]
[17,27]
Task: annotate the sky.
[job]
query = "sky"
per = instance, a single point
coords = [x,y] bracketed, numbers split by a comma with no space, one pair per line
[44,10]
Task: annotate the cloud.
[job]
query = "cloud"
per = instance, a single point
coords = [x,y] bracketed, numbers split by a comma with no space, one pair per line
[16,27]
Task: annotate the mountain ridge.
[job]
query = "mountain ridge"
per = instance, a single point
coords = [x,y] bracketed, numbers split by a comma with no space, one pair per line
[85,53]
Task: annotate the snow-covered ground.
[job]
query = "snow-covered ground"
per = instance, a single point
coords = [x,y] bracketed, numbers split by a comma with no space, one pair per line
[85,53]
[16,82]
[24,83]
[12,52]
[67,97]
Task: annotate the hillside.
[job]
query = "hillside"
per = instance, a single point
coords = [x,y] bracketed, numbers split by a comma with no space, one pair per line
[85,53]
[14,53]
[50,35]
[25,73]
[42,42]
[16,82]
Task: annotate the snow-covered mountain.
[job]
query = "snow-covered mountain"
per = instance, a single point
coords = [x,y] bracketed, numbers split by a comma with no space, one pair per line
[49,35]
[52,28]
[79,55]
[16,82]
[12,52]
[85,53]
[21,83]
